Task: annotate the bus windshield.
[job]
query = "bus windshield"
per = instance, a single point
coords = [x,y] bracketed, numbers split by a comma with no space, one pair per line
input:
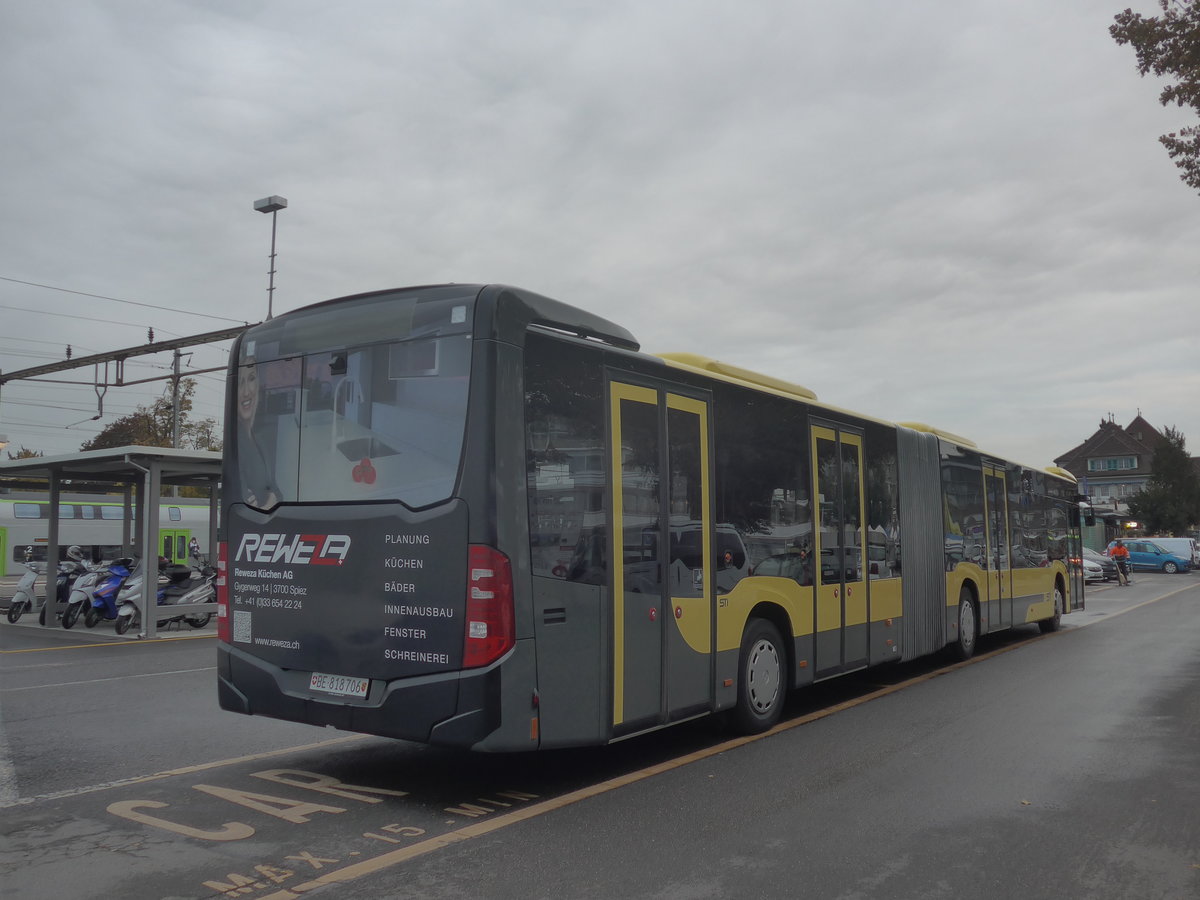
[327,411]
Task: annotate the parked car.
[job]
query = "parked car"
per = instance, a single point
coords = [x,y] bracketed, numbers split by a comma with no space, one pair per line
[1092,571]
[1147,556]
[1184,546]
[1107,566]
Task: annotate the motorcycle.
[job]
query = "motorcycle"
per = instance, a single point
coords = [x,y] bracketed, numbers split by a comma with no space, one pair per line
[178,588]
[22,601]
[95,594]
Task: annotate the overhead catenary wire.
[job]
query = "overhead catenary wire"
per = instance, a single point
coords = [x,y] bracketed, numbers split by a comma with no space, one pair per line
[185,312]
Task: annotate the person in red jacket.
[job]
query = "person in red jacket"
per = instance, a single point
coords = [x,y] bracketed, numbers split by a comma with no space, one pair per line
[1120,556]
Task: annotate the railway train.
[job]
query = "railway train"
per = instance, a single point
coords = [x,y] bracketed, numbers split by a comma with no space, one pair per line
[96,523]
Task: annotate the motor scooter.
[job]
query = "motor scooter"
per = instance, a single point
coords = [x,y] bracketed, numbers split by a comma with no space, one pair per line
[69,571]
[95,593]
[178,588]
[23,599]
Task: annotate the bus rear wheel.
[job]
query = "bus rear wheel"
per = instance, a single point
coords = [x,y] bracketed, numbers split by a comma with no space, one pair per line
[968,625]
[1055,621]
[761,685]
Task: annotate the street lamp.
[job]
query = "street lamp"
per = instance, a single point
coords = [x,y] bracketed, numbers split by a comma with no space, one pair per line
[271,205]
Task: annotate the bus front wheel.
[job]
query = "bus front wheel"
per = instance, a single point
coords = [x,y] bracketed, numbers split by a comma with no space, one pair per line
[968,625]
[761,686]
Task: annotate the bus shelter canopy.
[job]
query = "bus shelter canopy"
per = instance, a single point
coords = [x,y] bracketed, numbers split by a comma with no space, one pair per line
[144,469]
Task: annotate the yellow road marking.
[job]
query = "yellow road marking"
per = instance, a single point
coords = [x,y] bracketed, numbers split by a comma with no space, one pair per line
[126,643]
[187,770]
[395,857]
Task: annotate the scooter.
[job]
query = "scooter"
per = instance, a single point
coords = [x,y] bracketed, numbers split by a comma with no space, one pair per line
[127,593]
[69,571]
[180,590]
[189,590]
[95,593]
[22,601]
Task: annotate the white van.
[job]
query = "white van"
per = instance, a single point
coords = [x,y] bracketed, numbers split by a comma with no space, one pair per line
[1185,547]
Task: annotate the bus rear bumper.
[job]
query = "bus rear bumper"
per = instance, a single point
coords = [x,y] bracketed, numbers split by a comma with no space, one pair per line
[457,709]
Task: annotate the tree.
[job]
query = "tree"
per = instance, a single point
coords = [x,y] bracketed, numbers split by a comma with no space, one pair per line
[154,426]
[26,453]
[1170,45]
[1171,501]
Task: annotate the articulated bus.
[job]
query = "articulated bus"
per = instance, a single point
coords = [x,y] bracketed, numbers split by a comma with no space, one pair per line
[474,516]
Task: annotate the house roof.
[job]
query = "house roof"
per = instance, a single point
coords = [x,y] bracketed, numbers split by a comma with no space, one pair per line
[1138,439]
[1110,439]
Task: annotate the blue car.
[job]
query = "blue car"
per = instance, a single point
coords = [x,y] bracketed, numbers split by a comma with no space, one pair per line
[1147,556]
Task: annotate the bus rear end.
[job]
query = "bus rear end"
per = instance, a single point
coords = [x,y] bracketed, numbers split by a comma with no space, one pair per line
[360,586]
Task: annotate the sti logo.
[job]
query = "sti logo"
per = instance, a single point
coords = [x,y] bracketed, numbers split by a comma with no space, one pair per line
[296,549]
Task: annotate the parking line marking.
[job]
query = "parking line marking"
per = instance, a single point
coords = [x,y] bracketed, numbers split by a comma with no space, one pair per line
[391,858]
[128,643]
[38,687]
[477,829]
[185,770]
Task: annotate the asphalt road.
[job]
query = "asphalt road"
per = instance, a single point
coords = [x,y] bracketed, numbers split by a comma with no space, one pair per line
[1063,766]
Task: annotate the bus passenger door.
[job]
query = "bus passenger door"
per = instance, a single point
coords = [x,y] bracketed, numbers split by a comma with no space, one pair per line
[842,624]
[997,560]
[663,537]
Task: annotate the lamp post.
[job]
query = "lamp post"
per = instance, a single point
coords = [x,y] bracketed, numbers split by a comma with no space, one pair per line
[271,205]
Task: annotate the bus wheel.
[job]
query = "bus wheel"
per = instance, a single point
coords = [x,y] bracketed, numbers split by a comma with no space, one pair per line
[964,646]
[1055,621]
[761,687]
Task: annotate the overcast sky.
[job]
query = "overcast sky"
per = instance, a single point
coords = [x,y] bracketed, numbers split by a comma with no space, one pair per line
[947,211]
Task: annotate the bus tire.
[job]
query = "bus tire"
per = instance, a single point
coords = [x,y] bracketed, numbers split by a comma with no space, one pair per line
[761,685]
[968,625]
[1055,621]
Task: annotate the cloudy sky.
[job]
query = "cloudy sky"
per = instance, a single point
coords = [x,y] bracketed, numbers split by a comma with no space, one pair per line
[948,211]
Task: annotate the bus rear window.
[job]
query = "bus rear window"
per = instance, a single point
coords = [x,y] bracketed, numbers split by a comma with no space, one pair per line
[381,420]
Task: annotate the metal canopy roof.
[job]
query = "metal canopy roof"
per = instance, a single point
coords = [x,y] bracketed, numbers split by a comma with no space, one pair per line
[100,469]
[145,469]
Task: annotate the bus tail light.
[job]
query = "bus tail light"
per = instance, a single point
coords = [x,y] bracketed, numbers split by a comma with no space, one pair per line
[490,629]
[222,594]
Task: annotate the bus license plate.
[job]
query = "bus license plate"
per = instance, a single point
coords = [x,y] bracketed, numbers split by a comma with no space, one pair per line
[339,684]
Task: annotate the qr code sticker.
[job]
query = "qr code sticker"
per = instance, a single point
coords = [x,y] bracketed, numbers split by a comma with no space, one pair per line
[241,626]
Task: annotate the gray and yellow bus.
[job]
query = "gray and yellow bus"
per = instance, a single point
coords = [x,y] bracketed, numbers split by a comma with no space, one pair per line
[475,516]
